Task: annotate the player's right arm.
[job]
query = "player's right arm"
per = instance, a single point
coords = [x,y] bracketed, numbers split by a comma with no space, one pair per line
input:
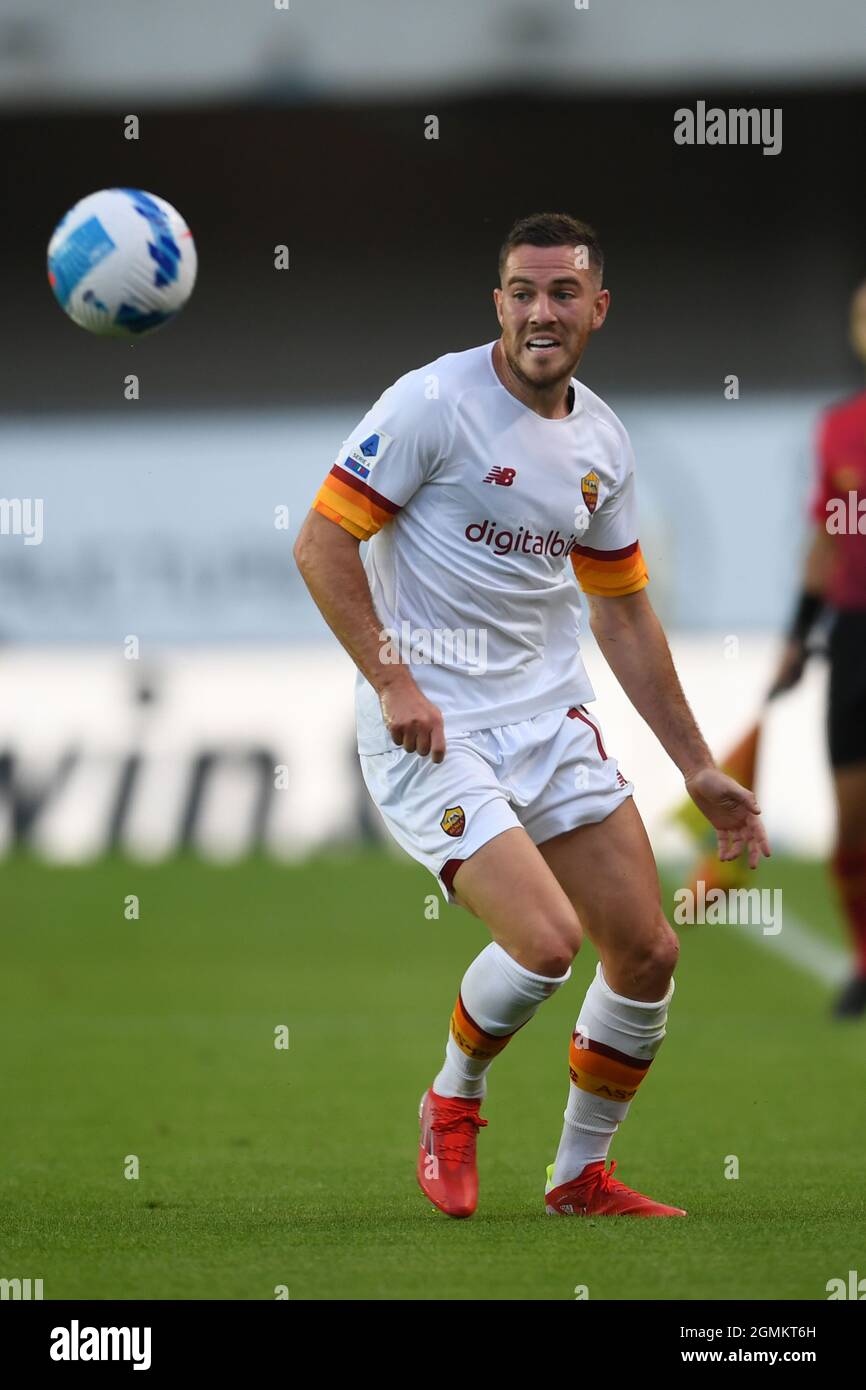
[393,451]
[329,560]
[816,573]
[809,606]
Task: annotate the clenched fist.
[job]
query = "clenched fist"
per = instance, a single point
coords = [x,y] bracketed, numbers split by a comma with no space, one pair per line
[413,721]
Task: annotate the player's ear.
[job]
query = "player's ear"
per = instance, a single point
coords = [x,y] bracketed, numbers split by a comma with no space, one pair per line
[497,300]
[602,304]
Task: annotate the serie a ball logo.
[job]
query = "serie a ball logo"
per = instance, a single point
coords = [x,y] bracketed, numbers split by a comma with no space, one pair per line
[122,262]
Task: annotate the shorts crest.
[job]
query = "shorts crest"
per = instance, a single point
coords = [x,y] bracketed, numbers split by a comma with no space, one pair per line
[454,821]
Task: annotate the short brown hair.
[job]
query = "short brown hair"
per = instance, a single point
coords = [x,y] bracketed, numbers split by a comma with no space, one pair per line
[553,229]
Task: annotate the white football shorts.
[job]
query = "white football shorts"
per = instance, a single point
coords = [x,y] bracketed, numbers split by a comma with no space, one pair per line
[548,774]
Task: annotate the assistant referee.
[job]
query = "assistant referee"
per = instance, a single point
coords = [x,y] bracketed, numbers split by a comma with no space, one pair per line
[834,593]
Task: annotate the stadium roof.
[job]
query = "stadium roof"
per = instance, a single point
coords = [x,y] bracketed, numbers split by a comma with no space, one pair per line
[95,53]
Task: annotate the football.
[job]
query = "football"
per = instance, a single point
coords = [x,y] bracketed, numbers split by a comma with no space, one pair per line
[122,262]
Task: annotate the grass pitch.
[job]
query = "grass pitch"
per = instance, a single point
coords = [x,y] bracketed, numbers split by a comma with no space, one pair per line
[262,1167]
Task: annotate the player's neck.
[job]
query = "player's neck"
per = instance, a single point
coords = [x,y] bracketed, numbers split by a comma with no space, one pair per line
[552,402]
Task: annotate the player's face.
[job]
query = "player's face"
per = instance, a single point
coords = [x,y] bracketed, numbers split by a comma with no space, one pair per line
[858,323]
[549,304]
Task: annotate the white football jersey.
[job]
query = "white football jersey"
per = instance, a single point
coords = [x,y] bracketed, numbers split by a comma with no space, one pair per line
[479,512]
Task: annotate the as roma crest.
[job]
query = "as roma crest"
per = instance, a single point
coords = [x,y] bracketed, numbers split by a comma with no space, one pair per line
[589,490]
[454,821]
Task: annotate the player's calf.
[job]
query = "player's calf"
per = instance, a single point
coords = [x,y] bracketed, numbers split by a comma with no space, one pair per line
[614,1043]
[497,997]
[536,936]
[848,867]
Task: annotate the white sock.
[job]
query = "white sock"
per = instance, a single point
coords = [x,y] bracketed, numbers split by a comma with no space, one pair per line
[613,1043]
[497,996]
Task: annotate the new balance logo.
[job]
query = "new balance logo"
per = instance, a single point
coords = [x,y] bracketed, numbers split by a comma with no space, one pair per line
[503,477]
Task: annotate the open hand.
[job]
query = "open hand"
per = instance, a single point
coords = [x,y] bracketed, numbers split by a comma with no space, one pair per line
[733,811]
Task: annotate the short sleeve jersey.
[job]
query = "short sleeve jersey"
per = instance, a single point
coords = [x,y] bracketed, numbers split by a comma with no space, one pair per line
[479,512]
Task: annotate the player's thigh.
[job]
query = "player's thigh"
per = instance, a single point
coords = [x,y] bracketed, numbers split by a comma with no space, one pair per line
[850,786]
[608,873]
[508,885]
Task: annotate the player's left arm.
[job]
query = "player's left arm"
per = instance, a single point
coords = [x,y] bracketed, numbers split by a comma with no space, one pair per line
[635,647]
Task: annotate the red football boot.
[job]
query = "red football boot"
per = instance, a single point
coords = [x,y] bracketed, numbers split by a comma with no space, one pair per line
[598,1193]
[447,1171]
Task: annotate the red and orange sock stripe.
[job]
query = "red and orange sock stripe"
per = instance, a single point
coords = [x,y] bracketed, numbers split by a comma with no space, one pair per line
[472,1040]
[603,1071]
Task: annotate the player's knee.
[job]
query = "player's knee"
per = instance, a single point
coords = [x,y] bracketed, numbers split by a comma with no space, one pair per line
[662,954]
[555,943]
[667,951]
[653,958]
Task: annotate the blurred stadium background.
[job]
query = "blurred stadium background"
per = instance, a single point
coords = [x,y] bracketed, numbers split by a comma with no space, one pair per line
[305,127]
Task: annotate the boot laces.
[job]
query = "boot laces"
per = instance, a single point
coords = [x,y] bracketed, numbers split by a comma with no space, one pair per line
[607,1182]
[603,1180]
[458,1130]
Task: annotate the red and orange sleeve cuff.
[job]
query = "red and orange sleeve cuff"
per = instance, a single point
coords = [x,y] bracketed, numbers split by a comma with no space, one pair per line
[610,573]
[349,502]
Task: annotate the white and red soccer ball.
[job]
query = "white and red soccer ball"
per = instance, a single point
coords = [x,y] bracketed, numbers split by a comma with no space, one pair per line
[122,262]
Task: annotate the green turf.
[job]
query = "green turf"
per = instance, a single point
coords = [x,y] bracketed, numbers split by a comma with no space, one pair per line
[261,1167]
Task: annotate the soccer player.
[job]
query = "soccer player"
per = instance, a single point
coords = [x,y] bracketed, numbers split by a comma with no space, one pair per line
[481,481]
[834,591]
